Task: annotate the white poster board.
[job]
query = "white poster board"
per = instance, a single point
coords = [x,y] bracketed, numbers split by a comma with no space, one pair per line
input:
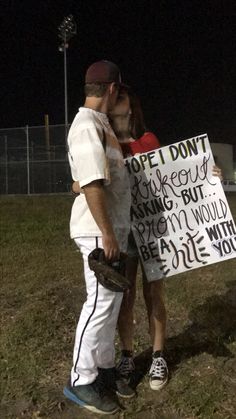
[180,216]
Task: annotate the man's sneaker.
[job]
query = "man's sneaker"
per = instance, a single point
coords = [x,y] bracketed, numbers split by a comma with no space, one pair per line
[158,372]
[92,397]
[114,382]
[126,366]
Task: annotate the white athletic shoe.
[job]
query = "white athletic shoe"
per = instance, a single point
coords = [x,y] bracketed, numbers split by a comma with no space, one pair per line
[158,373]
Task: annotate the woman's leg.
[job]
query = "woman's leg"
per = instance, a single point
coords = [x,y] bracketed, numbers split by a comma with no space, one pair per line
[126,317]
[154,298]
[126,323]
[153,293]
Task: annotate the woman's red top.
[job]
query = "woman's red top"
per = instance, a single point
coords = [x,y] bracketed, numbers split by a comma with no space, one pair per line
[147,142]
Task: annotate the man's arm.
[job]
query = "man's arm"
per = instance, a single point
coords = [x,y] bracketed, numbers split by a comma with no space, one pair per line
[96,200]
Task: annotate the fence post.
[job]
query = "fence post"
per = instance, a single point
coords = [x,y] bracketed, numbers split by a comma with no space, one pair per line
[28,160]
[32,168]
[6,163]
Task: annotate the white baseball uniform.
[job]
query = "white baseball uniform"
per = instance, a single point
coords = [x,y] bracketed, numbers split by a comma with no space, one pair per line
[94,153]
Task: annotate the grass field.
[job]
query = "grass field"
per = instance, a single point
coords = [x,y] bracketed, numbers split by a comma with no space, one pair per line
[42,291]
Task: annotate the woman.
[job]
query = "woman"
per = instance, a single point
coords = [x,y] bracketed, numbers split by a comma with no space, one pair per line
[128,123]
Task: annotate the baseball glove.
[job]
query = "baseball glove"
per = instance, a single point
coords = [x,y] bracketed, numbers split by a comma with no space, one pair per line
[109,274]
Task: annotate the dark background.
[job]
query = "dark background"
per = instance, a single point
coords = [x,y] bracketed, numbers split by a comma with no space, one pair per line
[178,55]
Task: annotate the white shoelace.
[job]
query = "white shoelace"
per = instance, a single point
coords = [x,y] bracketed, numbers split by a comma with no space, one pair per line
[159,368]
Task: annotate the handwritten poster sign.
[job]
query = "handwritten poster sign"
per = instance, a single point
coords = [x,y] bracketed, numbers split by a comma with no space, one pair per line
[180,216]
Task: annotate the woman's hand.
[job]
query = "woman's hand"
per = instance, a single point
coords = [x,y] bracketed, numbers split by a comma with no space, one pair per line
[76,189]
[216,171]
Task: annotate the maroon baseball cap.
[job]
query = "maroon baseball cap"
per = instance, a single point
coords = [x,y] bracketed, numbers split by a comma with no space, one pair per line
[103,72]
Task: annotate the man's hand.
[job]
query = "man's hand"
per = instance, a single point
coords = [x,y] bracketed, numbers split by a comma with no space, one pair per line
[96,200]
[111,247]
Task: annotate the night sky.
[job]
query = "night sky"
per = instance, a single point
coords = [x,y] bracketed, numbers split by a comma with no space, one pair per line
[178,55]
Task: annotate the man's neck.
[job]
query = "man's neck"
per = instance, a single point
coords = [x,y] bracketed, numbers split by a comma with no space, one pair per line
[98,104]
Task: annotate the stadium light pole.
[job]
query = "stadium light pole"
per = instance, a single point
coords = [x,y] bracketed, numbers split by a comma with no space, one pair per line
[66,30]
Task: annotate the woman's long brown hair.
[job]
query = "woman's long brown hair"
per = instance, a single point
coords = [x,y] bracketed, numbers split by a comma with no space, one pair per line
[137,124]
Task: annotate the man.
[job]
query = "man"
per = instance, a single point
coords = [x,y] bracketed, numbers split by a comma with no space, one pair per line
[99,218]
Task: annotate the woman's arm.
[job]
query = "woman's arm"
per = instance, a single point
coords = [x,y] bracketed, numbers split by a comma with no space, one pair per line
[75,188]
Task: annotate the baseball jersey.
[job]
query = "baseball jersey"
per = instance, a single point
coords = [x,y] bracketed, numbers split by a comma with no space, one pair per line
[95,154]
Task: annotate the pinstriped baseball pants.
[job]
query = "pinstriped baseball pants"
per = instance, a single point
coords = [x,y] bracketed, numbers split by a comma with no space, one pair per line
[95,333]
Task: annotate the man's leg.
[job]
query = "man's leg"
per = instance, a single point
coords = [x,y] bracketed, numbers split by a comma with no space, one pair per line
[98,318]
[85,388]
[111,377]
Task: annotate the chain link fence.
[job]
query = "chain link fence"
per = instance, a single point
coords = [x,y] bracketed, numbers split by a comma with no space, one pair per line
[33,160]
